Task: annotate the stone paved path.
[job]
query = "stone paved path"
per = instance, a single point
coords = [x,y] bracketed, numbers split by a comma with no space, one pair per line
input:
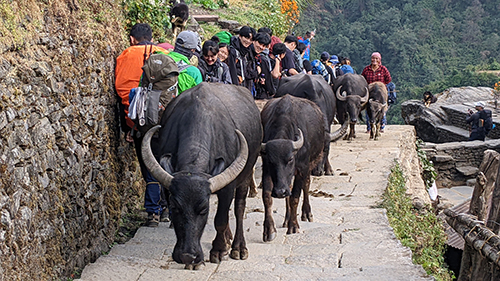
[350,238]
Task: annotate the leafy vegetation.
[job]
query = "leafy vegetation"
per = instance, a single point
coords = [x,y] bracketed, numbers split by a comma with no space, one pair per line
[426,45]
[154,12]
[419,230]
[429,173]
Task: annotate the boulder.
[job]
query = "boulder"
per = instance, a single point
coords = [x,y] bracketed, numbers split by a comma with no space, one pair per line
[444,121]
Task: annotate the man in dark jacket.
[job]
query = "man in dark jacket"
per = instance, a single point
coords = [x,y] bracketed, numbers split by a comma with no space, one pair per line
[265,84]
[476,120]
[241,59]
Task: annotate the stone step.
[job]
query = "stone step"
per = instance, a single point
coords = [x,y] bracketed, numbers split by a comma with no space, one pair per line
[453,133]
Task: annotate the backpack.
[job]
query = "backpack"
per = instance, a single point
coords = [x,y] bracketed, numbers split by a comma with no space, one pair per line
[391,93]
[486,121]
[157,88]
[297,58]
[319,68]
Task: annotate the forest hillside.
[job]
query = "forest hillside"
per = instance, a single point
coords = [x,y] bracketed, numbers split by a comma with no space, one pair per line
[426,45]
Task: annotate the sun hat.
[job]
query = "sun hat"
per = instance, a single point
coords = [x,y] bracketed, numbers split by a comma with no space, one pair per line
[334,59]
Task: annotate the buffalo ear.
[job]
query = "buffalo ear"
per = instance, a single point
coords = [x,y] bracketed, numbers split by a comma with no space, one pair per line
[166,164]
[218,167]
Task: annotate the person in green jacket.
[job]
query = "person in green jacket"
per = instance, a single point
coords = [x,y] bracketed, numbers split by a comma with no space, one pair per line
[184,50]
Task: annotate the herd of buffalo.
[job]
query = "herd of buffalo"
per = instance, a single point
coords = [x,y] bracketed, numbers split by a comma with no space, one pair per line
[211,135]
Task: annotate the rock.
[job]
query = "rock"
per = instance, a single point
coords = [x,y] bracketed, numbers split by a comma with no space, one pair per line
[467,170]
[228,24]
[444,121]
[471,182]
[442,158]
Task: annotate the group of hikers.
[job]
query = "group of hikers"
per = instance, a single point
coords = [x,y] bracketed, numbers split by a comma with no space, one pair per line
[255,59]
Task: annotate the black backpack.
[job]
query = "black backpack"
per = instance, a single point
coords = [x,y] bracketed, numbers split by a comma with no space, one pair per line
[486,120]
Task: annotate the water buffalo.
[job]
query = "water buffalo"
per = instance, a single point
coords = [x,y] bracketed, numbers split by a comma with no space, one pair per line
[351,91]
[294,130]
[209,141]
[377,106]
[317,90]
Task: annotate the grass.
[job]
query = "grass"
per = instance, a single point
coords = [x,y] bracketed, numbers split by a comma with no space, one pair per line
[420,230]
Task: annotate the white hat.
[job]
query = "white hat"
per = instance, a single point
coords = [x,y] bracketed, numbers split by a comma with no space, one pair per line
[479,103]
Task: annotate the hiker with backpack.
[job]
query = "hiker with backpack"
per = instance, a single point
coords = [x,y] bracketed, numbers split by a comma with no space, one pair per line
[346,65]
[210,66]
[265,84]
[288,64]
[241,59]
[185,47]
[335,65]
[481,122]
[320,69]
[128,74]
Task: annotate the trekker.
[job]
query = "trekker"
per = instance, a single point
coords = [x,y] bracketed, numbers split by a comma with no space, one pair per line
[307,67]
[223,52]
[334,64]
[278,54]
[128,74]
[185,47]
[288,63]
[210,66]
[265,84]
[307,41]
[346,65]
[241,59]
[477,121]
[274,39]
[325,57]
[372,73]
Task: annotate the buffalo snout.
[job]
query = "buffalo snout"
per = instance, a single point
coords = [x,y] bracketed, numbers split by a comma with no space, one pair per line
[281,192]
[354,120]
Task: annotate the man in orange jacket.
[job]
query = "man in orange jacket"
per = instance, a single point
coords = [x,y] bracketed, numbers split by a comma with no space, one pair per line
[128,74]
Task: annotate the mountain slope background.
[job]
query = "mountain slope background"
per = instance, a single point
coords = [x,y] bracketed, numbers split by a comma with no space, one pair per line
[426,45]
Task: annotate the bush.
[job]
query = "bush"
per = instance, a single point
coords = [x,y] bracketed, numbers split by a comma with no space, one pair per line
[153,12]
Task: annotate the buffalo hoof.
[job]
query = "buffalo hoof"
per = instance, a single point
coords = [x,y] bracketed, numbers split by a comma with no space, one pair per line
[318,172]
[307,217]
[239,254]
[194,266]
[217,257]
[293,229]
[329,172]
[268,237]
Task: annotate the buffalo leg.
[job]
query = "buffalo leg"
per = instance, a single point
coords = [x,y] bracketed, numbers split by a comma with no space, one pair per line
[373,131]
[269,227]
[220,245]
[239,249]
[253,187]
[306,206]
[287,212]
[377,134]
[324,165]
[293,203]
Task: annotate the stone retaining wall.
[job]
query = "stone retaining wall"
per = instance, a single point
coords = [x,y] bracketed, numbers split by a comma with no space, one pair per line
[66,175]
[457,162]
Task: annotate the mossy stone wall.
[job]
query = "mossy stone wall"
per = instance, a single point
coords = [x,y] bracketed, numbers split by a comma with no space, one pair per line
[66,175]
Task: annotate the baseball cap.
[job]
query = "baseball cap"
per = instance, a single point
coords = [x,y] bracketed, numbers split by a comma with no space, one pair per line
[479,103]
[334,59]
[187,39]
[325,55]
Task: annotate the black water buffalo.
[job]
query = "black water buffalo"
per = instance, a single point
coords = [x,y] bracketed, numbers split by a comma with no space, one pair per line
[209,141]
[376,107]
[294,130]
[351,91]
[317,90]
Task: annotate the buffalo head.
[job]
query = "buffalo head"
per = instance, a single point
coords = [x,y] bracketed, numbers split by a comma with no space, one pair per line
[190,195]
[279,157]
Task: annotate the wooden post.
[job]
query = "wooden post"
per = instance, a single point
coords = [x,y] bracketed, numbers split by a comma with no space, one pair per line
[474,266]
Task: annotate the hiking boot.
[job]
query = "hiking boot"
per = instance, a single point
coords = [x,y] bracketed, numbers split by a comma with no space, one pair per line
[164,217]
[153,220]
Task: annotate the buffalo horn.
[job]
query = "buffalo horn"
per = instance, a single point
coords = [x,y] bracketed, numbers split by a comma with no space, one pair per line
[340,132]
[231,172]
[339,95]
[150,161]
[365,98]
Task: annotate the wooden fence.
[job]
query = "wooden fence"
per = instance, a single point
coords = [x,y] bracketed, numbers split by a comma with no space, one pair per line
[481,256]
